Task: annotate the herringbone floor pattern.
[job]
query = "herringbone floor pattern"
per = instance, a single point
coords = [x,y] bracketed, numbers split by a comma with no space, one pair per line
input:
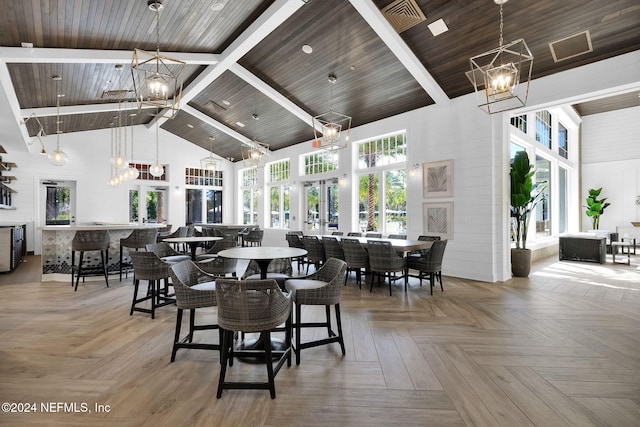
[561,348]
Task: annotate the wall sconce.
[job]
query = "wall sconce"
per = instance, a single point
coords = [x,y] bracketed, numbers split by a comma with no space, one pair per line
[342,181]
[414,169]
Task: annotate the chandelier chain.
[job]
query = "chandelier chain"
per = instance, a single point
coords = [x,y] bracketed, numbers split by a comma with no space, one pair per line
[501,27]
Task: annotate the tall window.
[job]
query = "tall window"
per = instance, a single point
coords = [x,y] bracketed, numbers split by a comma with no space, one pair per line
[543,128]
[382,184]
[249,190]
[543,209]
[520,122]
[563,214]
[562,141]
[319,162]
[203,199]
[153,205]
[279,198]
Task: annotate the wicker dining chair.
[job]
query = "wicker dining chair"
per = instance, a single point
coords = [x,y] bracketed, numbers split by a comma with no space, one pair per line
[373,235]
[253,237]
[166,252]
[320,288]
[279,269]
[252,306]
[315,251]
[357,258]
[228,241]
[384,260]
[194,288]
[430,264]
[354,234]
[148,266]
[218,266]
[89,240]
[332,248]
[138,239]
[337,233]
[398,236]
[294,240]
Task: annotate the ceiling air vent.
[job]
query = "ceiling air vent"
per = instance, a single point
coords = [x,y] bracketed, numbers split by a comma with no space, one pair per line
[114,94]
[569,47]
[403,14]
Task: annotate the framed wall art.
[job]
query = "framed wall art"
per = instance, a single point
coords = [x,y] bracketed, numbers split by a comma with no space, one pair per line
[438,219]
[437,179]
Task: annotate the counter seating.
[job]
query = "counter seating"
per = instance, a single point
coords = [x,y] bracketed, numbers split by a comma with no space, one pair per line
[147,266]
[138,239]
[85,241]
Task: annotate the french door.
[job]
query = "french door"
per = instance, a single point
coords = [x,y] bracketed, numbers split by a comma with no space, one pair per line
[321,207]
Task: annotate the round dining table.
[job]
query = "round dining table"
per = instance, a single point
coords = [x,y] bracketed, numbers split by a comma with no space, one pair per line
[193,242]
[262,255]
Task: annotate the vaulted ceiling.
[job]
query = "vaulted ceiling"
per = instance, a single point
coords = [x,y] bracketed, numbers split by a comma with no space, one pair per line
[247,76]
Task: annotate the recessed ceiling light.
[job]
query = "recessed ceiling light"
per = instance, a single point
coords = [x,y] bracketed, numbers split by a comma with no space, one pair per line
[218,5]
[255,117]
[307,49]
[211,138]
[240,124]
[225,102]
[189,125]
[438,27]
[118,67]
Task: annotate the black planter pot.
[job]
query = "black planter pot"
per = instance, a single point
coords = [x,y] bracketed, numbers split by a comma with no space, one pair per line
[520,262]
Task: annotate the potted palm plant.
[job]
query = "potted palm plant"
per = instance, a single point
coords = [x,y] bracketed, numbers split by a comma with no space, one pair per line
[525,195]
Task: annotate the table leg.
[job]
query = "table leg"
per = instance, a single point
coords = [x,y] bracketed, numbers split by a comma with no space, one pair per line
[193,246]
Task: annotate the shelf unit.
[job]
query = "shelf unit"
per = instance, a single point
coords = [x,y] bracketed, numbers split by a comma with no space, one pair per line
[5,190]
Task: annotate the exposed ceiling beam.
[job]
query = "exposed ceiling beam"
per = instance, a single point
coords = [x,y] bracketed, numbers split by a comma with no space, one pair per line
[378,23]
[216,124]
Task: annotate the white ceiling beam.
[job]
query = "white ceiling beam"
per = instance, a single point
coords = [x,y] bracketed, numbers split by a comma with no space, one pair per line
[89,56]
[378,23]
[266,23]
[75,109]
[12,101]
[273,94]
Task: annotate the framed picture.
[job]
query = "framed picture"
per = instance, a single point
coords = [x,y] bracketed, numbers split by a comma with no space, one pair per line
[438,219]
[437,179]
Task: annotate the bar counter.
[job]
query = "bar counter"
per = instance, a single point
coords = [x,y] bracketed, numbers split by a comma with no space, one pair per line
[56,248]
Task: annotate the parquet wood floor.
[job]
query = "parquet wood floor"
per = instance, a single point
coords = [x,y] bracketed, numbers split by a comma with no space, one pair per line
[561,348]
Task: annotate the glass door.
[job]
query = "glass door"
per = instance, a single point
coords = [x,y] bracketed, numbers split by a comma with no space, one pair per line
[321,207]
[59,202]
[151,201]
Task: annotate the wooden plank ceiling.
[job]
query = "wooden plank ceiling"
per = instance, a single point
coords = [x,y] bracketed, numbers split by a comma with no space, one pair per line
[263,71]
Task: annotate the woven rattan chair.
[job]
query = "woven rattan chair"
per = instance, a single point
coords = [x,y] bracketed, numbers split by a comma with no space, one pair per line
[332,248]
[147,266]
[356,257]
[294,240]
[398,236]
[337,233]
[166,252]
[253,238]
[279,269]
[383,261]
[228,241]
[424,238]
[138,239]
[194,289]
[252,306]
[219,267]
[89,240]
[373,235]
[315,251]
[354,234]
[320,288]
[430,264]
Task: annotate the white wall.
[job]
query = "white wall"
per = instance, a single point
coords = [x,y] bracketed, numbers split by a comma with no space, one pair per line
[611,160]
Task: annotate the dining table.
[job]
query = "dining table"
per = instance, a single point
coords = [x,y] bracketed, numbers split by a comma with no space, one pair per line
[403,246]
[192,241]
[262,255]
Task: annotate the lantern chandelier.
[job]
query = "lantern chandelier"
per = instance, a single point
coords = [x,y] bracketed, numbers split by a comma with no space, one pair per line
[157,79]
[58,157]
[254,155]
[330,127]
[502,75]
[209,163]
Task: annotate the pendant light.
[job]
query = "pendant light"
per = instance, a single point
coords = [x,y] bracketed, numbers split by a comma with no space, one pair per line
[58,157]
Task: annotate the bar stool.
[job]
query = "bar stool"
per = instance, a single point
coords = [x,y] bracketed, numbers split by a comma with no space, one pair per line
[89,240]
[138,239]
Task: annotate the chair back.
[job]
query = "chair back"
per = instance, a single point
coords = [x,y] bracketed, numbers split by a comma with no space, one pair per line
[148,266]
[354,234]
[332,248]
[218,266]
[140,238]
[294,240]
[428,238]
[398,236]
[251,305]
[254,236]
[298,232]
[90,240]
[315,250]
[355,255]
[162,249]
[383,258]
[431,261]
[337,233]
[374,235]
[332,272]
[182,232]
[184,275]
[277,266]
